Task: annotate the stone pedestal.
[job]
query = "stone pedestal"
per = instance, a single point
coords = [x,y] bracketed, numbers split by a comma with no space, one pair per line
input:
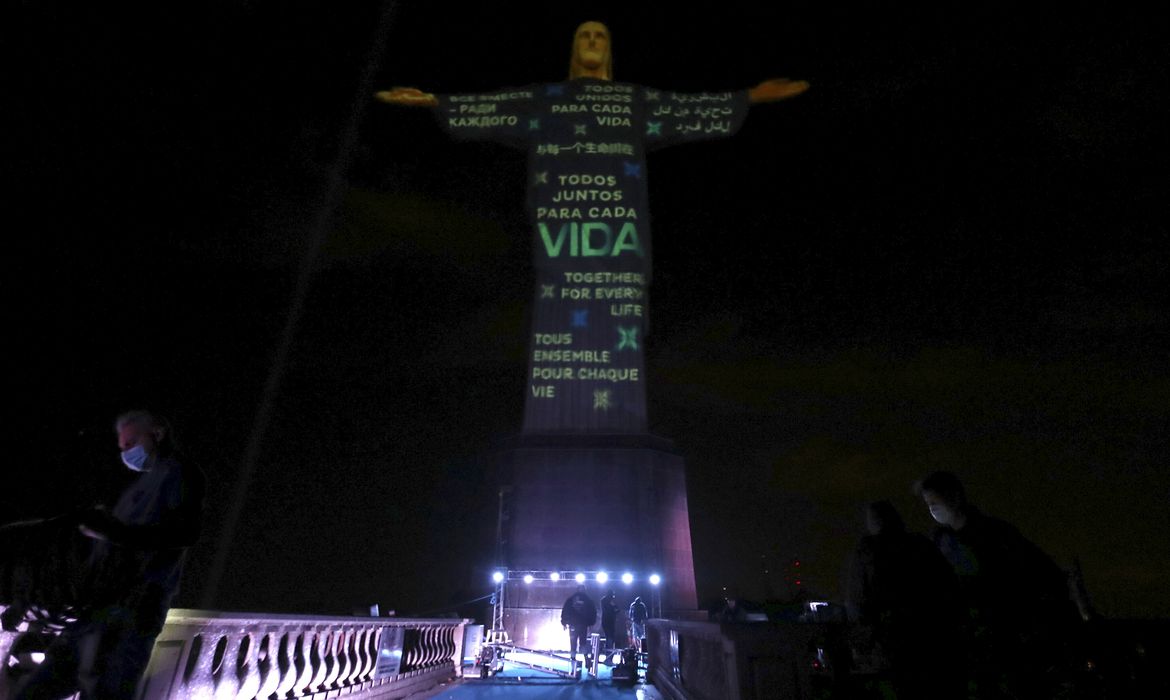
[613,503]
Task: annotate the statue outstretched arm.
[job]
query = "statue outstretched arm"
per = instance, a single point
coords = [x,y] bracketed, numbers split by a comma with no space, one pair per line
[776,89]
[408,97]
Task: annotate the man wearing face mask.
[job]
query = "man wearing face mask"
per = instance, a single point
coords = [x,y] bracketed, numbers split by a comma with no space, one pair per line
[133,573]
[1017,597]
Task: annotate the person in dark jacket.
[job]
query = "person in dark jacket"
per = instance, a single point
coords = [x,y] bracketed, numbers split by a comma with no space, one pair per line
[609,613]
[578,614]
[904,600]
[1020,611]
[133,571]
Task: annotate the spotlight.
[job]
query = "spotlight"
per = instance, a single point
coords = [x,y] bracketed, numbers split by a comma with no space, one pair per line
[527,578]
[627,578]
[498,576]
[655,579]
[579,578]
[602,577]
[554,577]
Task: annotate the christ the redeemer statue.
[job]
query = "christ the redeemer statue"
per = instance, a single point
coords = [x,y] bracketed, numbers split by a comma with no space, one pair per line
[587,140]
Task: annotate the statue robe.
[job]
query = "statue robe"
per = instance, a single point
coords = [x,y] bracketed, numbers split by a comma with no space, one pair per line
[587,142]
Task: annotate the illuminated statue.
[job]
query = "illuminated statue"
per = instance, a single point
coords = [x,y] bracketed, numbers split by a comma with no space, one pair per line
[587,140]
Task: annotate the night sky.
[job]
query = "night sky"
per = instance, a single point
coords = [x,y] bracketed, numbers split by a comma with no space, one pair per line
[950,253]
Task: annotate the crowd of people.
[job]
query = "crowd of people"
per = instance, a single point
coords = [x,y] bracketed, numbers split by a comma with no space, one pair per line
[976,609]
[579,613]
[973,610]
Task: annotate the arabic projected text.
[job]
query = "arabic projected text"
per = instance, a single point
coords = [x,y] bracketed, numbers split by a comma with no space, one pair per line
[587,203]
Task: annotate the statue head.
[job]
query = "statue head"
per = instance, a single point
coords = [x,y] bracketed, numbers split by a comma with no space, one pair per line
[591,57]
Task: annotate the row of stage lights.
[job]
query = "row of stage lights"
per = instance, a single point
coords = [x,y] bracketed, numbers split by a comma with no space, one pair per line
[601,577]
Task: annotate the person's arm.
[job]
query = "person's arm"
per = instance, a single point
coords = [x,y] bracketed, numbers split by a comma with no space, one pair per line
[179,528]
[179,525]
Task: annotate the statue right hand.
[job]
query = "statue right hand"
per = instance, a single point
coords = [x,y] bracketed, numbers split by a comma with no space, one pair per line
[410,97]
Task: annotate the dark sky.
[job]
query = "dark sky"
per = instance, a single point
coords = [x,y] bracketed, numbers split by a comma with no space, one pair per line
[950,253]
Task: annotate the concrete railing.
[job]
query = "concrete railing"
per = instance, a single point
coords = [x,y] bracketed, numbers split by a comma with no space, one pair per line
[208,655]
[709,660]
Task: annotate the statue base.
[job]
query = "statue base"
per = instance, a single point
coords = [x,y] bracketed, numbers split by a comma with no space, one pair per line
[593,503]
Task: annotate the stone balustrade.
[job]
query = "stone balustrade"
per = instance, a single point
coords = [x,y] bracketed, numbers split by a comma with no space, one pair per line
[722,661]
[207,655]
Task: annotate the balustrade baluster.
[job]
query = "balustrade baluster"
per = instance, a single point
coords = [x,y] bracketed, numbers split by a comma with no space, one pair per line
[345,678]
[249,671]
[305,667]
[270,662]
[449,646]
[227,681]
[436,645]
[431,646]
[369,654]
[198,672]
[420,647]
[197,680]
[291,643]
[320,668]
[331,661]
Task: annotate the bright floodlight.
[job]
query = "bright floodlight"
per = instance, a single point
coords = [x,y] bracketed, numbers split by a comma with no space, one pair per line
[498,576]
[554,576]
[579,578]
[627,578]
[527,578]
[602,577]
[655,579]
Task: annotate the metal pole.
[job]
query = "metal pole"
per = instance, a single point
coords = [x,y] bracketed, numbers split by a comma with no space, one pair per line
[595,646]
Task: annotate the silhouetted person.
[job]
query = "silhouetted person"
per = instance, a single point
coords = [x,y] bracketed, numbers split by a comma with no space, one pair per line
[577,615]
[1020,613]
[609,613]
[638,617]
[905,600]
[133,572]
[732,611]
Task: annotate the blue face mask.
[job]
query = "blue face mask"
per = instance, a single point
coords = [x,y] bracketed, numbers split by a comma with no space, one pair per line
[942,514]
[135,458]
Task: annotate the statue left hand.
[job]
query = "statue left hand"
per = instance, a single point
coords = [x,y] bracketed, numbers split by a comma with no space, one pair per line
[776,89]
[410,97]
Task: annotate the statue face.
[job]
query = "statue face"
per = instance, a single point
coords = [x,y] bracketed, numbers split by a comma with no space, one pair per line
[591,45]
